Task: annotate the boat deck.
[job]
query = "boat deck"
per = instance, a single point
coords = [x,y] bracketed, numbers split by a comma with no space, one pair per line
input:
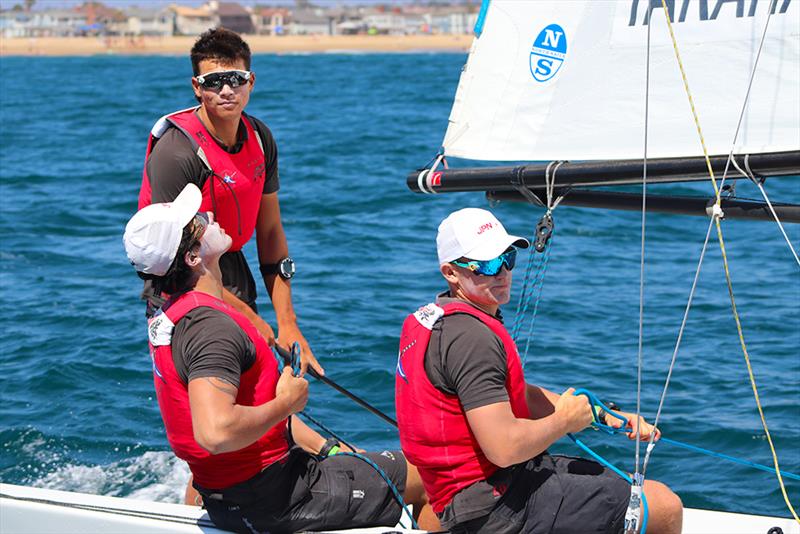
[25,509]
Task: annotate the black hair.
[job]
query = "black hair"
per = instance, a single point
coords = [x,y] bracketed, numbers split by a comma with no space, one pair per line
[179,277]
[222,45]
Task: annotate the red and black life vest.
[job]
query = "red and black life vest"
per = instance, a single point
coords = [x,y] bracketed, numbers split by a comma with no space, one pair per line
[434,433]
[233,190]
[256,387]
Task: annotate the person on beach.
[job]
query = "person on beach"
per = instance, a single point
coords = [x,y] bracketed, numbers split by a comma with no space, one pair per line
[233,158]
[477,432]
[228,409]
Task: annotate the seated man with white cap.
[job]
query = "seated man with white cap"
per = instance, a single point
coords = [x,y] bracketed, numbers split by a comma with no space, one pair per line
[477,432]
[226,407]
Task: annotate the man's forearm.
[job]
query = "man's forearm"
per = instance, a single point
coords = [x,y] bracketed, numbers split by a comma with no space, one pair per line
[306,437]
[280,292]
[220,428]
[528,438]
[541,401]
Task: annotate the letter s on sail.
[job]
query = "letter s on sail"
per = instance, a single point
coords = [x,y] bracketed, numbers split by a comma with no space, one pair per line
[548,53]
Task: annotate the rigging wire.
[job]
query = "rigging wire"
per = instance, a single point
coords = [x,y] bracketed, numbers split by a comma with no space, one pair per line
[633,512]
[542,241]
[760,184]
[716,216]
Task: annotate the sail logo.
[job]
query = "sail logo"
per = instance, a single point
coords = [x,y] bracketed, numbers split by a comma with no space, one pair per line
[548,53]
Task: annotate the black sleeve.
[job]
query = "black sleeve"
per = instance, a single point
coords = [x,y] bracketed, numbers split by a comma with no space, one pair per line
[172,165]
[271,182]
[467,359]
[208,343]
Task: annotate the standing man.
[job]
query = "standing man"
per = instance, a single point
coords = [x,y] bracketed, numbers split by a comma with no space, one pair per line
[233,158]
[228,410]
[477,432]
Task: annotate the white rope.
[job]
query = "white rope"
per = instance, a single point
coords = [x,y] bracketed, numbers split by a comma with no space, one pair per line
[749,174]
[550,185]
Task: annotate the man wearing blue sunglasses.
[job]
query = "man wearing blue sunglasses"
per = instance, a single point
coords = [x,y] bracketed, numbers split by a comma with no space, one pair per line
[476,431]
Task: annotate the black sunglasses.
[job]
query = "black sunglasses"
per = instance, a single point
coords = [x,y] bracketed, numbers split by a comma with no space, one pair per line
[218,80]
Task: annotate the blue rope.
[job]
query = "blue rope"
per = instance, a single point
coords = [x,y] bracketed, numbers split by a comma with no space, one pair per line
[295,364]
[524,300]
[611,430]
[325,429]
[621,474]
[537,289]
[728,458]
[388,481]
[530,293]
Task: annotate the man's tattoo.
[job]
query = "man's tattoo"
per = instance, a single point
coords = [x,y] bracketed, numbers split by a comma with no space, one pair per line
[223,385]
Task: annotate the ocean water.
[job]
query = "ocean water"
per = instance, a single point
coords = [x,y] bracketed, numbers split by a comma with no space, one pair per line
[78,410]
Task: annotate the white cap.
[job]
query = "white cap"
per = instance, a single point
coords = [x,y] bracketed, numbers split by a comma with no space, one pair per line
[475,234]
[153,235]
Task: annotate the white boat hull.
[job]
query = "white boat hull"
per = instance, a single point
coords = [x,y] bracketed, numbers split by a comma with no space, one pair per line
[24,510]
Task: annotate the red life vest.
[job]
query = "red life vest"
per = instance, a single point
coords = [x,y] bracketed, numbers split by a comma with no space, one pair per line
[256,387]
[234,188]
[434,433]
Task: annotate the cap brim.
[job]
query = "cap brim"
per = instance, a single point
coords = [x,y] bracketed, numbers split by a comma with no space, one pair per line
[187,204]
[494,249]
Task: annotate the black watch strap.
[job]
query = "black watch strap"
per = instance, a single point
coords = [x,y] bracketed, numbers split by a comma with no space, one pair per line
[328,446]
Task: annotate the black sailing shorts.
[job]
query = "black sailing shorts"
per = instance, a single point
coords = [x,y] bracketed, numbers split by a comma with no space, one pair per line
[306,493]
[557,495]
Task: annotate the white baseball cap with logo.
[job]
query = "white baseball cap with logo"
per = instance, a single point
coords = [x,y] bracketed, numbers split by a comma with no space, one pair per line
[474,233]
[153,235]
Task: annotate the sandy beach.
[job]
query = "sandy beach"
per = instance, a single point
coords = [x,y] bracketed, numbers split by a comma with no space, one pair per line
[87,46]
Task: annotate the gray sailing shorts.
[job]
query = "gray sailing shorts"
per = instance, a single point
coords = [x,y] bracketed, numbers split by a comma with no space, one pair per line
[307,493]
[556,495]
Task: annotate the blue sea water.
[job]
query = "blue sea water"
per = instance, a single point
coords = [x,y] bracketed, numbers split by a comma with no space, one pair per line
[78,410]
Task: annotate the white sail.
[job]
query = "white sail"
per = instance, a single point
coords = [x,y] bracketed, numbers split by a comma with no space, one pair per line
[565,80]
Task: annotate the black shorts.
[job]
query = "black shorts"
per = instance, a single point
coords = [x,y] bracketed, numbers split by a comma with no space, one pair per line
[558,495]
[305,493]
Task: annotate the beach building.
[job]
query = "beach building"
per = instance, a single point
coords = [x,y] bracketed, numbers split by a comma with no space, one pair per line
[310,22]
[50,23]
[385,22]
[191,20]
[149,21]
[270,20]
[232,16]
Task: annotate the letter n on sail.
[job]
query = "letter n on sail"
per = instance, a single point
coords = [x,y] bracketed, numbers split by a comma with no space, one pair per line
[548,52]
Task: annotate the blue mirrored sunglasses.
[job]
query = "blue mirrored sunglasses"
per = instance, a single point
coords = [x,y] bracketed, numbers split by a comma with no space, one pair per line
[218,80]
[490,267]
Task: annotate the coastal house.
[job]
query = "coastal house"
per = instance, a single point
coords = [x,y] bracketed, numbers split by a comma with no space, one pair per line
[149,21]
[231,15]
[385,22]
[270,20]
[308,21]
[451,19]
[49,23]
[192,21]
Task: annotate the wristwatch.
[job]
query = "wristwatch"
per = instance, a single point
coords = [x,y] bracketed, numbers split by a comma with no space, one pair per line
[330,447]
[601,413]
[285,268]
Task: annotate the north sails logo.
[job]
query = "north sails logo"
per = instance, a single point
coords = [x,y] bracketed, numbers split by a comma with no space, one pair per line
[548,53]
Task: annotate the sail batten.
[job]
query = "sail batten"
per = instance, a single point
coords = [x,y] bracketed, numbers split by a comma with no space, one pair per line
[565,81]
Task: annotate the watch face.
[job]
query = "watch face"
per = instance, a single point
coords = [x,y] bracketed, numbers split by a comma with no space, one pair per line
[287,268]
